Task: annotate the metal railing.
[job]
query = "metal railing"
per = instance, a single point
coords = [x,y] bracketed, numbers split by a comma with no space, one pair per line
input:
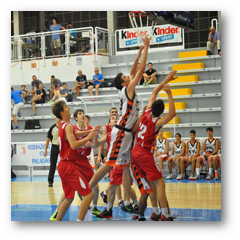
[62,43]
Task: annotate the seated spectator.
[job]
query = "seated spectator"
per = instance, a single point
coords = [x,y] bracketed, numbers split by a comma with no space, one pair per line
[72,32]
[150,75]
[55,85]
[16,96]
[35,84]
[39,98]
[25,93]
[214,40]
[62,94]
[97,82]
[81,80]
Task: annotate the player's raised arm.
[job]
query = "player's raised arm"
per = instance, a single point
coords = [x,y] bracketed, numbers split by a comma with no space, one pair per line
[137,78]
[134,67]
[159,87]
[172,111]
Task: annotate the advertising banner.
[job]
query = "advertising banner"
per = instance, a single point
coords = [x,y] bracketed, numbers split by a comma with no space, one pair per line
[35,154]
[161,34]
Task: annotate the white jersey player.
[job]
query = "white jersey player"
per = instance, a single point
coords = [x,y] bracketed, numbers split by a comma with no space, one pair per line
[161,149]
[119,154]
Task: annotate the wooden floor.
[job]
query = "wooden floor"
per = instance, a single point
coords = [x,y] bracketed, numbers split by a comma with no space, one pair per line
[180,195]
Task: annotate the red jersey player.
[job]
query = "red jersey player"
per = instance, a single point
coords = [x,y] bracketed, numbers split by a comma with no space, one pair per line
[147,131]
[71,177]
[81,130]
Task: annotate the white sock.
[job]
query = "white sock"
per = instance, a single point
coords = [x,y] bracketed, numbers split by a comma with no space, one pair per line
[216,171]
[126,203]
[165,212]
[156,210]
[79,220]
[119,200]
[136,202]
[210,170]
[56,210]
[198,171]
[109,206]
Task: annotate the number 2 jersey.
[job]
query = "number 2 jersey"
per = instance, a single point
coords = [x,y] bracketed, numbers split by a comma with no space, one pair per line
[146,131]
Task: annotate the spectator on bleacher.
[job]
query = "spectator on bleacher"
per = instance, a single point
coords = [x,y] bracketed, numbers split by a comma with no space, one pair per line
[25,93]
[192,152]
[210,148]
[97,83]
[72,32]
[150,75]
[81,80]
[16,96]
[39,98]
[62,94]
[24,96]
[214,40]
[35,84]
[55,85]
[178,150]
[161,149]
[55,36]
[52,136]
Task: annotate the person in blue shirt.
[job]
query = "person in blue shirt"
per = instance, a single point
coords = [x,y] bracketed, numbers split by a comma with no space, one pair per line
[97,82]
[16,96]
[55,36]
[72,31]
[214,40]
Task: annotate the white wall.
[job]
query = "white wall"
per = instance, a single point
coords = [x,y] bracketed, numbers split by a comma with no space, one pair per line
[65,72]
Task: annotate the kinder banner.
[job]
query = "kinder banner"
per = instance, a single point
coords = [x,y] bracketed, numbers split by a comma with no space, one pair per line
[161,34]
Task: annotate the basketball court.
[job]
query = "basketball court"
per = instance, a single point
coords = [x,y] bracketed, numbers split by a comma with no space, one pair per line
[33,200]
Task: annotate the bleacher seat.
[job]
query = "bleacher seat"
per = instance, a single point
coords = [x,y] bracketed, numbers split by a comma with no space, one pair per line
[188,66]
[184,79]
[193,54]
[178,105]
[177,92]
[172,121]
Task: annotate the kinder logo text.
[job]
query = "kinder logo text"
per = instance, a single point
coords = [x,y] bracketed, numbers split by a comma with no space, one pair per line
[160,34]
[157,31]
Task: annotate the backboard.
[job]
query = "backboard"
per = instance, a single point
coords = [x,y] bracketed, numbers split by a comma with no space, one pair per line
[176,18]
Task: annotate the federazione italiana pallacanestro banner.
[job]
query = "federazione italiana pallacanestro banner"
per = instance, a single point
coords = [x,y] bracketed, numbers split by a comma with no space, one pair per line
[161,34]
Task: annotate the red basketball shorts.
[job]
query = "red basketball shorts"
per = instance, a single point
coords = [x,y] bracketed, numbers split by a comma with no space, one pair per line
[145,163]
[72,179]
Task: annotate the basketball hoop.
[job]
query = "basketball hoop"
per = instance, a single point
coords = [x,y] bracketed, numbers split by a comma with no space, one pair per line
[139,14]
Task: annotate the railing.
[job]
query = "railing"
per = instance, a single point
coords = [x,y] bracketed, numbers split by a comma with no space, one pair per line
[216,23]
[63,43]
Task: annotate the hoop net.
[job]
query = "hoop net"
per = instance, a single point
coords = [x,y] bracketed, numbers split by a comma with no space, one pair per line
[139,26]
